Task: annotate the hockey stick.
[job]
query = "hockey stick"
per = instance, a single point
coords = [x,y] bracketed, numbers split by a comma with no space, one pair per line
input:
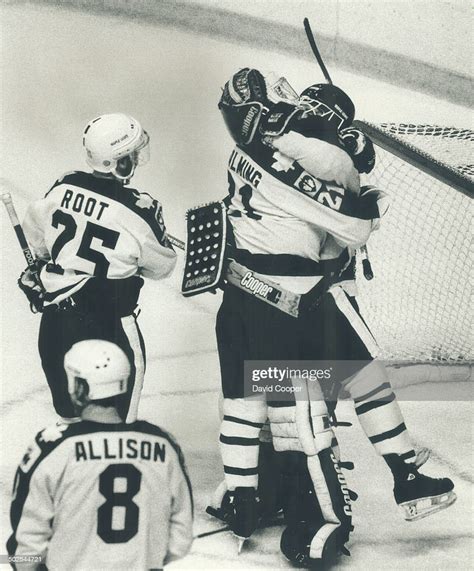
[265,525]
[366,266]
[314,48]
[176,242]
[7,200]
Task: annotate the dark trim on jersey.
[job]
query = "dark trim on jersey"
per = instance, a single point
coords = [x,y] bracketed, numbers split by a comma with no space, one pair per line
[80,428]
[240,471]
[388,434]
[52,295]
[298,179]
[408,455]
[239,440]
[242,421]
[289,264]
[373,392]
[113,189]
[366,407]
[23,485]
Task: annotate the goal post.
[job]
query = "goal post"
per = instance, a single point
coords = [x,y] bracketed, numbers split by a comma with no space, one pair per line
[419,303]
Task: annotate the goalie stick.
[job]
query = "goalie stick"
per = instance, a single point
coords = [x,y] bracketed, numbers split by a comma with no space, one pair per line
[366,266]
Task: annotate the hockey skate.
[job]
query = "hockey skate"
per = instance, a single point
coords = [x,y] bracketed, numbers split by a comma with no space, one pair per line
[239,509]
[420,496]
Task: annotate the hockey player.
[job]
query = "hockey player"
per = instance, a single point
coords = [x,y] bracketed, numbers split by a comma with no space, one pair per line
[376,405]
[298,213]
[100,493]
[96,238]
[281,215]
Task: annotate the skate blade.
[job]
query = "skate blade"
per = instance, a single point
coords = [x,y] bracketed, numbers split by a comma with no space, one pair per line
[241,543]
[418,509]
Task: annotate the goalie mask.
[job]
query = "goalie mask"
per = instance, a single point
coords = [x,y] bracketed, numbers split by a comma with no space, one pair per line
[330,103]
[279,89]
[95,369]
[115,144]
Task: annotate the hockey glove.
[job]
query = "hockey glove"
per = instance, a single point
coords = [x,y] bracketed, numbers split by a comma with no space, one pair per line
[243,103]
[277,121]
[360,148]
[30,285]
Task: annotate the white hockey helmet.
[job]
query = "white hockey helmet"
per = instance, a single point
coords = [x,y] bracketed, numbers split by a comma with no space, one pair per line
[115,143]
[96,369]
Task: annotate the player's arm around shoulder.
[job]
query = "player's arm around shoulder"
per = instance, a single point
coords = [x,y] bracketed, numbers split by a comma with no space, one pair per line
[32,506]
[321,159]
[157,256]
[305,140]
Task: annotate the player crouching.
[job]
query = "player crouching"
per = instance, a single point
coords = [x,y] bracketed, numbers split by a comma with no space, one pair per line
[101,494]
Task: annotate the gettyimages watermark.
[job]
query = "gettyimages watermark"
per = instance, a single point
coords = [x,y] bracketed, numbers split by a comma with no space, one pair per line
[329,380]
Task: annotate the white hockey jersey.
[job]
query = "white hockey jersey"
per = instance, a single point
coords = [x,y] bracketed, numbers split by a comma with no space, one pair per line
[296,210]
[102,496]
[95,227]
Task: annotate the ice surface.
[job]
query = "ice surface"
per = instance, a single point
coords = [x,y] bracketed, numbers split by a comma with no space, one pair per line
[60,69]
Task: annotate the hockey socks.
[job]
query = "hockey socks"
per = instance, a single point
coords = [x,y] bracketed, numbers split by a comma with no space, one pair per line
[239,442]
[381,419]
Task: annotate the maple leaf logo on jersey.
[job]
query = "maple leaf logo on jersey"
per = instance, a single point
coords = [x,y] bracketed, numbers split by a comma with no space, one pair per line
[282,162]
[145,201]
[52,433]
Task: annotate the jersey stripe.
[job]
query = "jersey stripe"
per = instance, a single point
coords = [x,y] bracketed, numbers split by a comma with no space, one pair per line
[130,328]
[22,485]
[113,189]
[355,320]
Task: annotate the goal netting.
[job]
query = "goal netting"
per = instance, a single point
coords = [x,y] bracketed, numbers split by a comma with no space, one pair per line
[419,303]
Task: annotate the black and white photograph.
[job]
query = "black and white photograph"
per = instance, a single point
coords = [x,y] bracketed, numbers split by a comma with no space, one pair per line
[236,286]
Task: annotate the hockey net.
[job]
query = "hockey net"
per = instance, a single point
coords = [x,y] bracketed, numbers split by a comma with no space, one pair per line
[418,304]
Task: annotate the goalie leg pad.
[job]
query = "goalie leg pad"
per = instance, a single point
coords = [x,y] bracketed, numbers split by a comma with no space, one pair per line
[314,486]
[304,426]
[317,503]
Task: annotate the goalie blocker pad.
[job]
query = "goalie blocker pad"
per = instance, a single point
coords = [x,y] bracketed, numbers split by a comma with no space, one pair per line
[206,228]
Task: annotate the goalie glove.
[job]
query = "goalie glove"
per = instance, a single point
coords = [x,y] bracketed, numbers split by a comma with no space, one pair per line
[243,102]
[360,148]
[31,286]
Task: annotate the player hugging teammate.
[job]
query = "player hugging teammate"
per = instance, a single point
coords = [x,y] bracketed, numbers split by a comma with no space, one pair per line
[297,214]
